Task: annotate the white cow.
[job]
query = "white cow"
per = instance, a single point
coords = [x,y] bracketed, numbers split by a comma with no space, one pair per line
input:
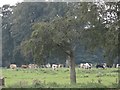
[90,64]
[54,66]
[60,65]
[13,66]
[48,65]
[81,65]
[85,65]
[117,65]
[31,66]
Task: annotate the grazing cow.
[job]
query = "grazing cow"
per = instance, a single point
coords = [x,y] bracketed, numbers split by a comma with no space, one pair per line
[24,66]
[114,65]
[60,65]
[101,66]
[13,66]
[90,65]
[81,65]
[54,66]
[48,65]
[43,66]
[117,65]
[85,65]
[109,66]
[106,65]
[31,66]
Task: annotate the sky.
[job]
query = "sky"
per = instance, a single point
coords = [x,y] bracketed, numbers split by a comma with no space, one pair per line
[11,2]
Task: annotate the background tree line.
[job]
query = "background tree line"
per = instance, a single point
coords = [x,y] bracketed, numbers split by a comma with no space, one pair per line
[91,29]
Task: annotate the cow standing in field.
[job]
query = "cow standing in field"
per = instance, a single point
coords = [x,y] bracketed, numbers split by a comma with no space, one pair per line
[24,66]
[81,65]
[114,65]
[32,66]
[13,66]
[60,65]
[48,65]
[101,66]
[54,66]
[90,65]
[85,65]
[117,65]
[109,66]
[43,66]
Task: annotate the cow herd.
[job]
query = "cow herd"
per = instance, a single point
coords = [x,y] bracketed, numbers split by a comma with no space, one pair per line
[102,65]
[35,66]
[14,66]
[55,66]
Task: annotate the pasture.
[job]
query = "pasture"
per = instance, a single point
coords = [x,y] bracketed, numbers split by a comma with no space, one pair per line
[48,78]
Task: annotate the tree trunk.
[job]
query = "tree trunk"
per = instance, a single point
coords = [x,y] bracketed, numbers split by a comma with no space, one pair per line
[72,68]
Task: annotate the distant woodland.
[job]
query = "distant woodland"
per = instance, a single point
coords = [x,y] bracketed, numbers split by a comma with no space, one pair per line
[48,32]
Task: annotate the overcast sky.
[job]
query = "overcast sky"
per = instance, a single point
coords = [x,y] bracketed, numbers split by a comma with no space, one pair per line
[11,2]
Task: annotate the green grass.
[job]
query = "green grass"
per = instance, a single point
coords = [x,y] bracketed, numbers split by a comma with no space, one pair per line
[49,78]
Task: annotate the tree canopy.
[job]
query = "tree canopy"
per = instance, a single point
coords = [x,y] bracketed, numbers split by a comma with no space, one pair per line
[93,25]
[45,32]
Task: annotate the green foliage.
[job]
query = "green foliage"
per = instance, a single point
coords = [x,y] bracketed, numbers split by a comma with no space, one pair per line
[59,24]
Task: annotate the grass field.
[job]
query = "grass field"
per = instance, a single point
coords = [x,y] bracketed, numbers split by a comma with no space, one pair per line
[46,77]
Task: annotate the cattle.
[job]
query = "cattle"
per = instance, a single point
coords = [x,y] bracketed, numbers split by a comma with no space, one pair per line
[31,66]
[109,66]
[54,66]
[24,66]
[13,66]
[117,65]
[81,65]
[101,66]
[114,65]
[48,65]
[85,65]
[90,65]
[43,66]
[60,65]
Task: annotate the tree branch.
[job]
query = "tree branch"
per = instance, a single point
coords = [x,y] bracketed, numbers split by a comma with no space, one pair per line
[67,52]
